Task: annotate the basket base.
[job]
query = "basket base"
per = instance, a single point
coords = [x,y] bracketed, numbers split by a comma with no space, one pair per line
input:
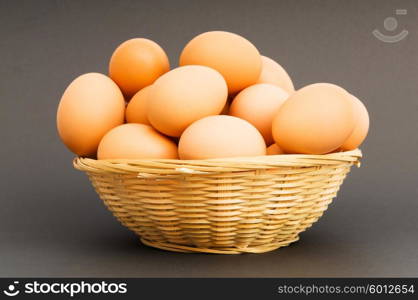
[226,250]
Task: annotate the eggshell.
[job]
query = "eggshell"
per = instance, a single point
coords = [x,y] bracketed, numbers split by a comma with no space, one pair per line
[316,119]
[361,128]
[274,150]
[233,56]
[259,104]
[90,106]
[272,72]
[184,95]
[135,141]
[137,63]
[136,110]
[220,136]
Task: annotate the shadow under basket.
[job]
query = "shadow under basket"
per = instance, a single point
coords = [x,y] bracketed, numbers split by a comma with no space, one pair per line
[225,206]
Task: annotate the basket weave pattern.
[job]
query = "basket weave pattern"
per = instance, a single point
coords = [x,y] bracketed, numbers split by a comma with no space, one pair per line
[230,206]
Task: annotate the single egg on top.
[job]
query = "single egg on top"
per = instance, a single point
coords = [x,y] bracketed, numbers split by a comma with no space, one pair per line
[90,106]
[219,137]
[136,110]
[259,104]
[272,72]
[137,63]
[316,119]
[184,95]
[136,141]
[361,128]
[237,59]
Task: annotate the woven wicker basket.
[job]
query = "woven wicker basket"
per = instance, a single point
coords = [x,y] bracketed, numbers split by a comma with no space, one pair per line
[226,206]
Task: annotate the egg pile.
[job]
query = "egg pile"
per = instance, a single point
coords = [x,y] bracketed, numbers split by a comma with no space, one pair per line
[224,100]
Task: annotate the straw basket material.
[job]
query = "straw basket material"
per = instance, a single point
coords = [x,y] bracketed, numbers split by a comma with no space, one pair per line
[227,206]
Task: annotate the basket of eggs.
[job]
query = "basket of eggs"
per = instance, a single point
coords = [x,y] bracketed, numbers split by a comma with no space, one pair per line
[219,155]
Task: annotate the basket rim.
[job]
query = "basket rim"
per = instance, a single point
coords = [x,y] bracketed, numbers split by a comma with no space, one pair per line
[207,166]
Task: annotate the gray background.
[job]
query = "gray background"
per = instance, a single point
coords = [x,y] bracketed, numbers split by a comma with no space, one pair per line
[53,224]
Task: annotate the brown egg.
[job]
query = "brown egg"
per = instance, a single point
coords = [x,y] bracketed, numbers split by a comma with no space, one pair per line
[220,136]
[90,106]
[274,150]
[361,128]
[272,72]
[135,141]
[259,104]
[233,56]
[137,63]
[316,119]
[136,110]
[184,95]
